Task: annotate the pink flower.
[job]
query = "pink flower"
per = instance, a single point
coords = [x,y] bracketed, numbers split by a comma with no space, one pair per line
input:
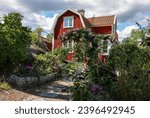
[96,89]
[29,66]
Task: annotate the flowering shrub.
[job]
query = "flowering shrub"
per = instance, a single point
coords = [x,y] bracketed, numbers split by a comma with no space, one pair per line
[50,62]
[87,49]
[77,35]
[96,89]
[44,64]
[29,66]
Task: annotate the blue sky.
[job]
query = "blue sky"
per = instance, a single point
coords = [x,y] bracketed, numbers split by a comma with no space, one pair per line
[42,13]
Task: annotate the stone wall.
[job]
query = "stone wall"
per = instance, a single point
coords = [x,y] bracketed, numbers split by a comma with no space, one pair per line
[22,82]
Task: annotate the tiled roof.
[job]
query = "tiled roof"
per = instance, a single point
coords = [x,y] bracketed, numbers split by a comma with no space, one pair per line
[101,21]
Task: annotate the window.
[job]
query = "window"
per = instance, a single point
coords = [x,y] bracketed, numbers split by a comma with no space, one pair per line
[105,46]
[69,44]
[68,22]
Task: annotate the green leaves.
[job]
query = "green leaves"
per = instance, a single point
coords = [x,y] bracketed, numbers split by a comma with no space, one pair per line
[133,64]
[13,20]
[14,41]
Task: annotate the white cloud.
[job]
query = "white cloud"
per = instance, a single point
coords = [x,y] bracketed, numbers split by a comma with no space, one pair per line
[31,18]
[36,20]
[126,10]
[126,32]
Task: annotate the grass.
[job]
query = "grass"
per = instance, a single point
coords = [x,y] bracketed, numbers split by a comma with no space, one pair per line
[5,86]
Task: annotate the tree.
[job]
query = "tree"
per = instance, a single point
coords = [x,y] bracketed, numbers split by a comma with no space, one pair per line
[38,30]
[14,42]
[36,35]
[140,36]
[38,43]
[49,37]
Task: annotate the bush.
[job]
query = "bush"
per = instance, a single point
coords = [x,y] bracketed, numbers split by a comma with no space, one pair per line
[133,65]
[44,64]
[126,76]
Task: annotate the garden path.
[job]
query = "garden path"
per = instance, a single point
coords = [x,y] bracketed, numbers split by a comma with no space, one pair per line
[55,91]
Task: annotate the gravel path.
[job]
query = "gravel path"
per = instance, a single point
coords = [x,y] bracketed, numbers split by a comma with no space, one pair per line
[56,91]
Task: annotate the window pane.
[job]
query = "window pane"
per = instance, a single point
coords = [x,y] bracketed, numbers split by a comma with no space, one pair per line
[68,22]
[105,46]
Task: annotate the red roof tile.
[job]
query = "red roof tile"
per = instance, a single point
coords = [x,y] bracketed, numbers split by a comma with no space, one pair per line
[101,21]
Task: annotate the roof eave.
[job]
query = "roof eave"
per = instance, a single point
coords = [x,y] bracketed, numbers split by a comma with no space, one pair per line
[115,18]
[102,25]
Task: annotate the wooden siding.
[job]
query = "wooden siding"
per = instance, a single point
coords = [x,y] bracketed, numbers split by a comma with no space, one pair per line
[102,30]
[59,27]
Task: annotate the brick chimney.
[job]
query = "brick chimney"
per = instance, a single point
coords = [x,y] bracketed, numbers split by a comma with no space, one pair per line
[81,11]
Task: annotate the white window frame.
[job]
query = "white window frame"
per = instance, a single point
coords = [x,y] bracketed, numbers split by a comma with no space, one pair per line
[109,45]
[72,17]
[105,51]
[68,46]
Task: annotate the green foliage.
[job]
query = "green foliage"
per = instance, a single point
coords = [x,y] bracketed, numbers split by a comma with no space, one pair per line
[136,35]
[36,35]
[140,36]
[35,38]
[71,68]
[87,48]
[131,61]
[76,35]
[46,64]
[81,91]
[38,42]
[49,37]
[50,62]
[14,42]
[5,86]
[100,82]
[133,66]
[87,44]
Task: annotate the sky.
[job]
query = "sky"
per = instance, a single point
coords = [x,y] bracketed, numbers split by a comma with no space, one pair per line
[42,13]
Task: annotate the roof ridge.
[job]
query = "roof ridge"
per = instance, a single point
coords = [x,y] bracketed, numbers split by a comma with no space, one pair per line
[101,16]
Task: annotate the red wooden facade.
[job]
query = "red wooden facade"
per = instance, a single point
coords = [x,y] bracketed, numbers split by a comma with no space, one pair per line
[98,25]
[58,30]
[102,30]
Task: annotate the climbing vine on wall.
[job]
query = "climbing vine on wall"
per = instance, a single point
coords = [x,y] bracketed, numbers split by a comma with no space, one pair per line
[87,47]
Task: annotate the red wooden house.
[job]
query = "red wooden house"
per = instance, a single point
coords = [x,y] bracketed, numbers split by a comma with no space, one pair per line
[70,19]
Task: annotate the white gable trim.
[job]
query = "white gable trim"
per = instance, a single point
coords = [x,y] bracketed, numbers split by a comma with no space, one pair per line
[115,18]
[57,17]
[113,27]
